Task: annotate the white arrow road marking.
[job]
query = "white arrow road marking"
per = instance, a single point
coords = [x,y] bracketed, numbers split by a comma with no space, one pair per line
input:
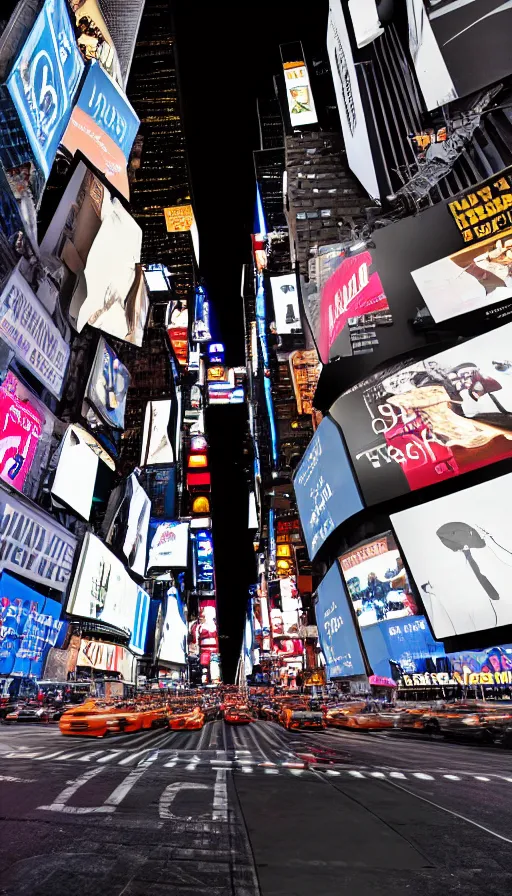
[169,795]
[111,803]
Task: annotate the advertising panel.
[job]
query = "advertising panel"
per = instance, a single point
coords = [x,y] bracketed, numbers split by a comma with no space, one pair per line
[204,552]
[33,545]
[21,428]
[486,210]
[348,97]
[44,80]
[404,646]
[459,551]
[94,40]
[76,472]
[377,581]
[365,21]
[140,622]
[325,487]
[286,303]
[168,545]
[432,420]
[177,330]
[179,218]
[29,626]
[305,369]
[104,657]
[103,126]
[102,589]
[298,93]
[201,327]
[336,629]
[156,444]
[492,666]
[203,635]
[445,36]
[126,523]
[173,642]
[108,386]
[30,332]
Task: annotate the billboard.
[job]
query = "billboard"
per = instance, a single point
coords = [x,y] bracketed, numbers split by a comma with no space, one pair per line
[126,523]
[203,634]
[179,218]
[305,368]
[301,104]
[445,37]
[140,622]
[348,97]
[177,330]
[431,420]
[486,210]
[30,332]
[168,545]
[286,303]
[21,428]
[459,551]
[201,326]
[108,386]
[29,627]
[102,589]
[75,476]
[156,443]
[492,666]
[325,487]
[403,646]
[44,80]
[103,126]
[336,629]
[104,657]
[33,544]
[173,642]
[204,559]
[94,40]
[377,582]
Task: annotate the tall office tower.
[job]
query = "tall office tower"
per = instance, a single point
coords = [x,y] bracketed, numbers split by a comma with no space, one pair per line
[123,19]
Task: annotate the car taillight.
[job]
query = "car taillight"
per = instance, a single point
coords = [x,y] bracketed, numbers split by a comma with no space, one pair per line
[471,720]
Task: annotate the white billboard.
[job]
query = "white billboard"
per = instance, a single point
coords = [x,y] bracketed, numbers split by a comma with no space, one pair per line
[350,105]
[298,93]
[156,444]
[168,545]
[286,304]
[75,476]
[172,648]
[365,21]
[102,589]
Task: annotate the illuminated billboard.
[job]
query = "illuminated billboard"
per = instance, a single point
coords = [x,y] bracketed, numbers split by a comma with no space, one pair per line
[168,545]
[305,368]
[104,657]
[126,523]
[177,330]
[459,552]
[486,209]
[336,629]
[29,331]
[286,303]
[29,627]
[179,218]
[156,443]
[75,476]
[44,80]
[107,386]
[21,428]
[102,589]
[204,558]
[301,104]
[103,126]
[94,40]
[172,647]
[403,646]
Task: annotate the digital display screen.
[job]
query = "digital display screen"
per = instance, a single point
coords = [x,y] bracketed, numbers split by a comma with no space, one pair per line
[336,629]
[29,626]
[286,303]
[168,545]
[401,646]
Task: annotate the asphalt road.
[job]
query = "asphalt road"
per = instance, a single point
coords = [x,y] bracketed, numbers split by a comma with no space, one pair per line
[252,811]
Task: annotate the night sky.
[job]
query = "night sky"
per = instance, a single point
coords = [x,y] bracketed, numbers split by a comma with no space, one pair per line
[227,55]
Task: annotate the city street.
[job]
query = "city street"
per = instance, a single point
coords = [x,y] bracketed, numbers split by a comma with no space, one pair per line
[252,810]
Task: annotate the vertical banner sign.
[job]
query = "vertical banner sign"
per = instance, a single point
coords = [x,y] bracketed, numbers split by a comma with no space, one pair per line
[486,210]
[44,80]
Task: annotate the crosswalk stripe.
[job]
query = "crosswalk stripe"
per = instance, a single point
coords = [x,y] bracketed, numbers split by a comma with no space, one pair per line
[89,756]
[111,756]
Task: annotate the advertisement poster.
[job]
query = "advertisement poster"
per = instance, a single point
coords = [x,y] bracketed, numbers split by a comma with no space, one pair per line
[473,278]
[21,427]
[349,102]
[203,636]
[377,582]
[298,93]
[29,330]
[94,40]
[336,630]
[491,666]
[29,627]
[204,553]
[103,657]
[459,551]
[173,642]
[75,476]
[33,544]
[44,80]
[286,304]
[108,386]
[325,487]
[103,126]
[140,622]
[126,523]
[486,210]
[432,420]
[178,218]
[168,545]
[305,369]
[406,646]
[201,325]
[156,443]
[445,35]
[102,589]
[177,330]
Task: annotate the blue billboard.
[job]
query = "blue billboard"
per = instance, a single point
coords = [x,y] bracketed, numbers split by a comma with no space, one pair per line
[336,629]
[404,643]
[44,81]
[325,487]
[140,622]
[204,553]
[29,626]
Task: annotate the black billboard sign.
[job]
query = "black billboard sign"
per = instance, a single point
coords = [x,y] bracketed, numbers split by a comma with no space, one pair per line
[486,210]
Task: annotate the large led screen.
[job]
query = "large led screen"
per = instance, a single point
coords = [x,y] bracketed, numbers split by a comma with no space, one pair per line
[156,444]
[108,386]
[432,420]
[377,581]
[76,472]
[459,550]
[94,40]
[140,622]
[458,46]
[126,523]
[168,545]
[325,487]
[483,667]
[104,657]
[301,104]
[204,555]
[173,642]
[403,646]
[102,589]
[336,629]
[21,428]
[103,126]
[29,626]
[485,209]
[286,303]
[44,80]
[348,97]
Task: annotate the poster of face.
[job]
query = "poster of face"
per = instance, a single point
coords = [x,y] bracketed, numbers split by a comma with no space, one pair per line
[459,551]
[108,386]
[336,630]
[377,582]
[443,37]
[102,589]
[21,428]
[94,40]
[168,545]
[432,420]
[29,627]
[468,280]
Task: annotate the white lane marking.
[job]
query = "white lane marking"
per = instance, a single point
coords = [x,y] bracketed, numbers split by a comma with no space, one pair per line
[271,771]
[296,771]
[89,756]
[377,774]
[49,756]
[59,804]
[11,780]
[423,777]
[332,772]
[23,755]
[169,795]
[450,812]
[128,760]
[396,775]
[247,769]
[72,755]
[356,774]
[111,756]
[172,763]
[117,796]
[451,777]
[481,778]
[220,797]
